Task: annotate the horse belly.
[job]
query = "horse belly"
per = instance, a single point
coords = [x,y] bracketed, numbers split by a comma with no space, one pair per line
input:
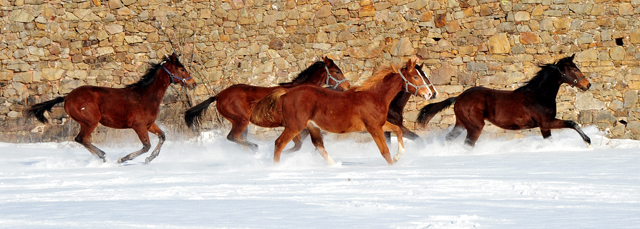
[336,124]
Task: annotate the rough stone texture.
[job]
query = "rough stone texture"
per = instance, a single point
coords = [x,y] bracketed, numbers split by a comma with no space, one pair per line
[49,48]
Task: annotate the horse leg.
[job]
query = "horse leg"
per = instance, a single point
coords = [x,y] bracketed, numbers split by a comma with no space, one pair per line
[161,137]
[143,134]
[409,134]
[558,124]
[473,133]
[546,133]
[237,127]
[455,132]
[282,141]
[387,137]
[84,138]
[378,137]
[399,134]
[316,139]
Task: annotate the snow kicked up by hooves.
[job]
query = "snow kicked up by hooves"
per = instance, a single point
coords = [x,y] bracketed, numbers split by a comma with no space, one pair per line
[209,182]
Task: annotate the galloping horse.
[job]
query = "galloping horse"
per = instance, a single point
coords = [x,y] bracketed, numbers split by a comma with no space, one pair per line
[234,103]
[358,109]
[532,105]
[136,106]
[396,108]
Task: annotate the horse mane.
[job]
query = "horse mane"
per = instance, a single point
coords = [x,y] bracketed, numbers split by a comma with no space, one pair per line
[306,74]
[151,73]
[376,78]
[542,76]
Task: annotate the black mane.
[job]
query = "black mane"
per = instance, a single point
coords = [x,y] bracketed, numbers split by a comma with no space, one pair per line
[306,74]
[148,77]
[546,73]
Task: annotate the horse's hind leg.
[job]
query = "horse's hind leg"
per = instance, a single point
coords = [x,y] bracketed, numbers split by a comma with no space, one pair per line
[455,132]
[143,134]
[161,137]
[237,128]
[84,138]
[281,142]
[545,133]
[316,139]
[297,140]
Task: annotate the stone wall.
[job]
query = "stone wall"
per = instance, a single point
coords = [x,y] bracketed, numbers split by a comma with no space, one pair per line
[48,48]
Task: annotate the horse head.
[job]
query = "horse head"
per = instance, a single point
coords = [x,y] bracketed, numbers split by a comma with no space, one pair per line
[335,77]
[430,85]
[571,74]
[177,72]
[413,78]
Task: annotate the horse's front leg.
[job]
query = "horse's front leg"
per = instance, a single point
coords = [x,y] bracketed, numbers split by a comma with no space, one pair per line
[558,124]
[143,134]
[398,131]
[161,137]
[378,136]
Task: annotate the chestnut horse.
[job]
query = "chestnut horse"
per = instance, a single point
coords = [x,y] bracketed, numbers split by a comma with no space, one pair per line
[396,109]
[136,106]
[358,109]
[532,105]
[234,103]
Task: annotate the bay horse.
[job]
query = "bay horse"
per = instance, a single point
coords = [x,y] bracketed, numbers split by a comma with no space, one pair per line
[136,106]
[396,108]
[532,105]
[363,108]
[234,103]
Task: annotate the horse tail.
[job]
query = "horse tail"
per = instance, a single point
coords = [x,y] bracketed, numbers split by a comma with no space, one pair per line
[427,112]
[38,110]
[266,108]
[193,116]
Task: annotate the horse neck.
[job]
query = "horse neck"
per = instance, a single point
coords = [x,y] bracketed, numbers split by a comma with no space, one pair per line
[549,90]
[315,79]
[156,90]
[390,86]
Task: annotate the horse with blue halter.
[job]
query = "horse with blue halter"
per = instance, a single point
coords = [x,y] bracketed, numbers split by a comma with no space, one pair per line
[135,107]
[396,108]
[234,103]
[532,105]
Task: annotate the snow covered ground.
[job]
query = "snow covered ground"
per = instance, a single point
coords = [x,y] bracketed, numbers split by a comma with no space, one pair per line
[212,183]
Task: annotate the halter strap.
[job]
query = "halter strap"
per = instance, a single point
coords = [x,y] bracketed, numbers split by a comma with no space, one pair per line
[172,76]
[429,85]
[407,84]
[329,76]
[575,81]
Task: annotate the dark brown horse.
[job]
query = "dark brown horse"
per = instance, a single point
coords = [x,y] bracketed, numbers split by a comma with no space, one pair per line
[532,105]
[396,108]
[358,109]
[234,103]
[136,106]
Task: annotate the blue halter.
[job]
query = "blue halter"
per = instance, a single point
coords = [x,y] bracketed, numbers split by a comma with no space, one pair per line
[329,76]
[407,84]
[172,76]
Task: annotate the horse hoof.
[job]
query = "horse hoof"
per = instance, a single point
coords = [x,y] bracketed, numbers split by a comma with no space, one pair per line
[121,160]
[147,161]
[589,146]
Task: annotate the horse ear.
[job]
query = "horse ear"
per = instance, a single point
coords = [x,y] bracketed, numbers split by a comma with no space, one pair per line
[326,60]
[174,58]
[409,63]
[394,68]
[572,56]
